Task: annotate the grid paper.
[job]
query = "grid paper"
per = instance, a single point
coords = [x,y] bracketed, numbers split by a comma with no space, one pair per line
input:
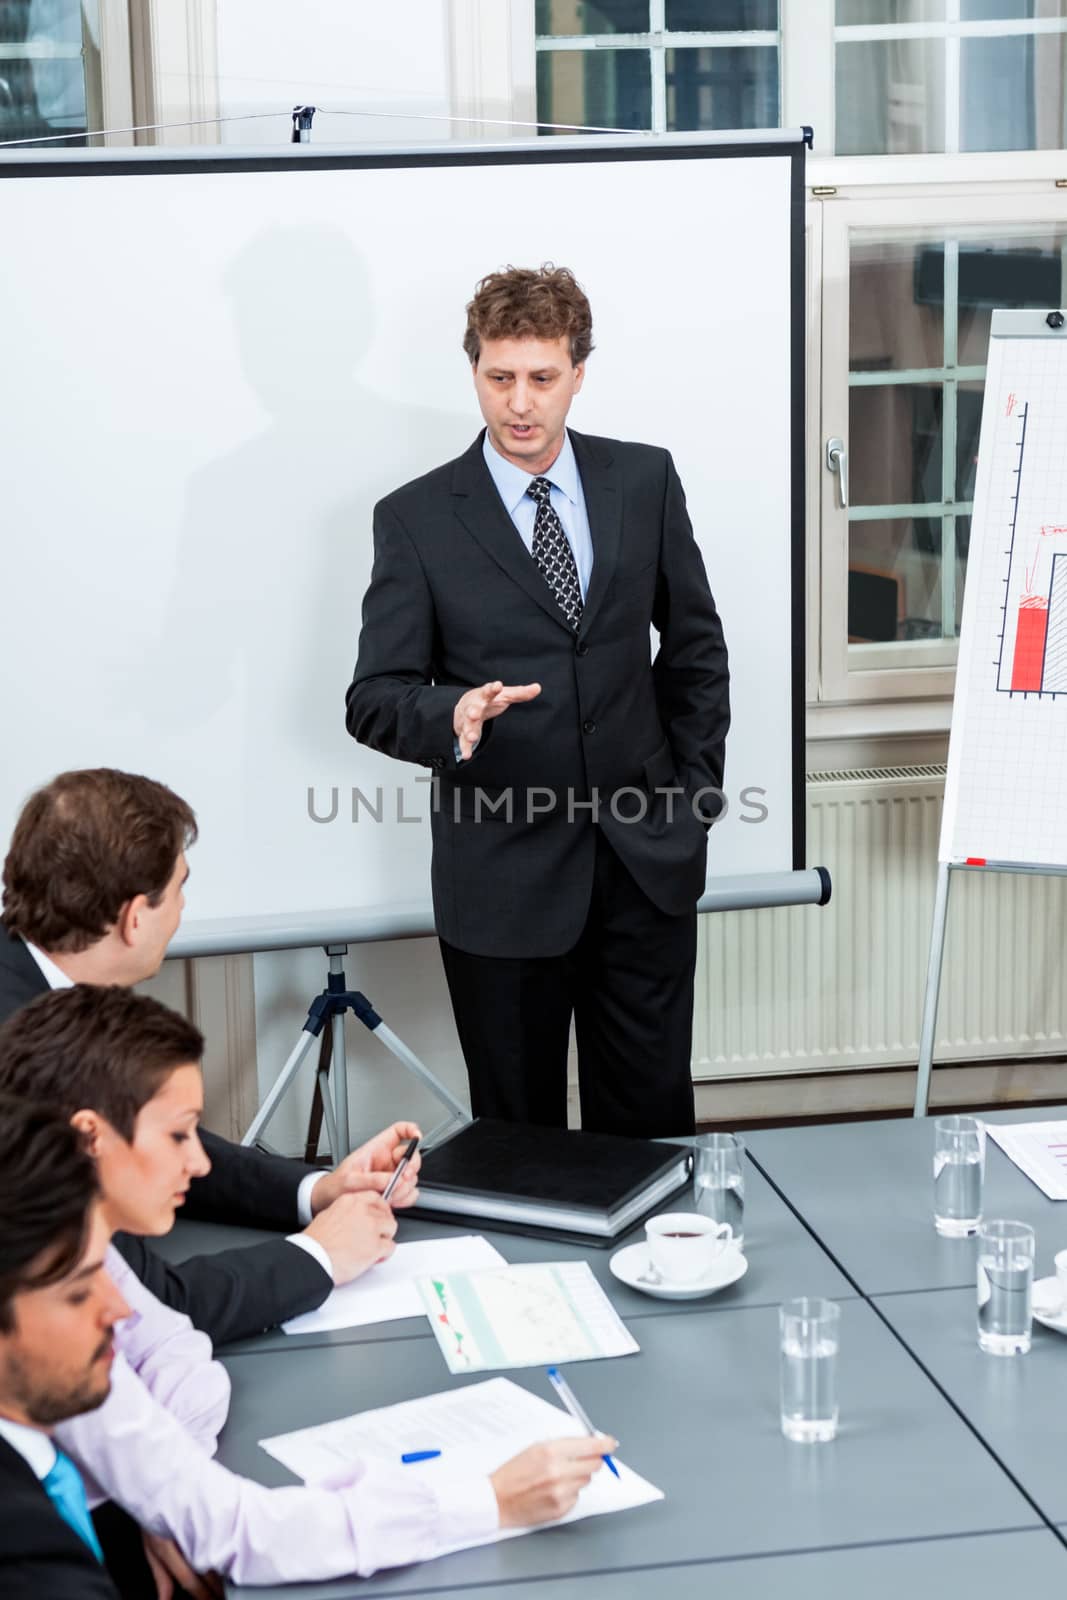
[1007,766]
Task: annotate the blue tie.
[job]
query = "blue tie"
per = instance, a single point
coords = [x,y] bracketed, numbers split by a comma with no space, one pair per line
[64,1487]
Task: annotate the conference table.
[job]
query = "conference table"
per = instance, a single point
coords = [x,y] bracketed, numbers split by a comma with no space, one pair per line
[944,1476]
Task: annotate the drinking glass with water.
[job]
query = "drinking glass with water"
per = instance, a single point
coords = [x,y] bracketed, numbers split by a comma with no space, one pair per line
[1005,1282]
[810,1334]
[719,1176]
[959,1168]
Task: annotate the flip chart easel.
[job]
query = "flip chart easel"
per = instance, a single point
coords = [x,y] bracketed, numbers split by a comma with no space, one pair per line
[1005,807]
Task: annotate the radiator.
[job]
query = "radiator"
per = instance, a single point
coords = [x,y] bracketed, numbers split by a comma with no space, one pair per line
[799,989]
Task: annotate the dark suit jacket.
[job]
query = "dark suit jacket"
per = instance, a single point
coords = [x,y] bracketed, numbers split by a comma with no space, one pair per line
[41,1557]
[455,601]
[235,1293]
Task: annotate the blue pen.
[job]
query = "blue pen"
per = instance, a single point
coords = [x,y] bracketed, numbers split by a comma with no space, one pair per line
[570,1400]
[419,1455]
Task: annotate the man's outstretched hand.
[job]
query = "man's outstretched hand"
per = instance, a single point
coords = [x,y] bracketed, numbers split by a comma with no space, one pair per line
[482,705]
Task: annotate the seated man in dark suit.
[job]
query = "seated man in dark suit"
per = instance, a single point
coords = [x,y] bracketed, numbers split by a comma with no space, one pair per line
[92,893]
[57,1310]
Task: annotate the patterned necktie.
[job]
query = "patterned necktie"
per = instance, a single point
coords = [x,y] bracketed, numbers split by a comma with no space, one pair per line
[64,1487]
[553,554]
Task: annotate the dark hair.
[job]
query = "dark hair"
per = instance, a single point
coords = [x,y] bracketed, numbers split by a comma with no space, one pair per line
[47,1184]
[543,302]
[85,845]
[93,1048]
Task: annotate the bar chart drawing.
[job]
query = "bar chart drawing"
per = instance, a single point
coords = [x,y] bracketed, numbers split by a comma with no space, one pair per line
[1033,639]
[1007,753]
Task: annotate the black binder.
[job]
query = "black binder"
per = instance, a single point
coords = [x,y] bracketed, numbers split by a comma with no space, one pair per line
[583,1187]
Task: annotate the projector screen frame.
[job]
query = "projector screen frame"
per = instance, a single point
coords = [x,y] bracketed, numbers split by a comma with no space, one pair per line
[788,144]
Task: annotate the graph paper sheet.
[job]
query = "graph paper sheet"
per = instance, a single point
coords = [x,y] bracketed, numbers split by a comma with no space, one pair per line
[1039,1149]
[523,1316]
[1007,764]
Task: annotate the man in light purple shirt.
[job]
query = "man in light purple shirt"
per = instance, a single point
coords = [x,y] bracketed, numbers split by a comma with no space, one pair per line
[123,1069]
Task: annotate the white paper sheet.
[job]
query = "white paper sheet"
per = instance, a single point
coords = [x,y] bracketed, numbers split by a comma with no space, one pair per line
[1037,1148]
[523,1316]
[389,1291]
[476,1428]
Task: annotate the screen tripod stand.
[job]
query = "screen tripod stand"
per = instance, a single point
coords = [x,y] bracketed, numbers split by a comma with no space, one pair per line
[331,1007]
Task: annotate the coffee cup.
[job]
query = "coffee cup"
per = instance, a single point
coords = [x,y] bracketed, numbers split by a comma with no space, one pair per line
[684,1245]
[1061,1277]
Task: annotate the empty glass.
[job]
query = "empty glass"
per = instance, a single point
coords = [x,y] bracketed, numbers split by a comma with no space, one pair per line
[1005,1281]
[810,1334]
[719,1177]
[959,1168]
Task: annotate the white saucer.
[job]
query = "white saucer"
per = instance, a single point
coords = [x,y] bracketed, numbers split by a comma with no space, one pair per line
[631,1266]
[1048,1304]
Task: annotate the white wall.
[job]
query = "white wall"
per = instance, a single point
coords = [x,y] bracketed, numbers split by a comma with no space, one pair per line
[342,54]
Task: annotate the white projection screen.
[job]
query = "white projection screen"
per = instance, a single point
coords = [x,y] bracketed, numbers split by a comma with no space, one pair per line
[215,364]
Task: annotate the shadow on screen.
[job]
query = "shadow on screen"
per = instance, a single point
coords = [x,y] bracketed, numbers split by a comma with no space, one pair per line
[275,547]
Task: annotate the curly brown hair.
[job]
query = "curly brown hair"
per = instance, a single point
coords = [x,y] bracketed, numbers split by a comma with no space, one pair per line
[545,302]
[83,846]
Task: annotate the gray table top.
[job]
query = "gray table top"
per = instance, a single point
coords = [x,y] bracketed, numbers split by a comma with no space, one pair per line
[783,1261]
[985,1568]
[866,1191]
[1014,1402]
[697,1412]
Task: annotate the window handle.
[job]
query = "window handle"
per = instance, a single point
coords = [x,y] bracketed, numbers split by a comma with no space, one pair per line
[837,461]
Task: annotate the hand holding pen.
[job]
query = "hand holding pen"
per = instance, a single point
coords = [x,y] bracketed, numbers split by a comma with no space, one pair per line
[570,1400]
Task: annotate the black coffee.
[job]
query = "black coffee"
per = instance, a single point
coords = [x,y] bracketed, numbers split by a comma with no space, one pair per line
[682,1236]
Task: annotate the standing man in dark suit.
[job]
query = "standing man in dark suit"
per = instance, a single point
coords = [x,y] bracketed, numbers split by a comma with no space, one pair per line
[57,1310]
[505,645]
[93,884]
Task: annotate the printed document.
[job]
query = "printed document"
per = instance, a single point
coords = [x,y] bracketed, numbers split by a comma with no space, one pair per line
[1039,1149]
[476,1429]
[523,1316]
[389,1290]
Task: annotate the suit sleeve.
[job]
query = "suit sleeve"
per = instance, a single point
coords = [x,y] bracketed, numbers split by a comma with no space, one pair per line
[690,672]
[393,704]
[233,1294]
[43,1570]
[246,1187]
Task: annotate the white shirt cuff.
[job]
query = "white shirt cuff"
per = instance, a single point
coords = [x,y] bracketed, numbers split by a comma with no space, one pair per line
[315,1249]
[467,1507]
[304,1212]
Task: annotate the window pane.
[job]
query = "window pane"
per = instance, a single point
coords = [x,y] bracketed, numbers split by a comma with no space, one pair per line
[597,88]
[999,10]
[1012,92]
[900,284]
[47,94]
[894,580]
[730,88]
[894,444]
[896,306]
[591,16]
[720,16]
[968,423]
[877,11]
[890,97]
[1008,275]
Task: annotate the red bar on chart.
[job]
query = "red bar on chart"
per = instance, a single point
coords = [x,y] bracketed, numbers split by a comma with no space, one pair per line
[1029,658]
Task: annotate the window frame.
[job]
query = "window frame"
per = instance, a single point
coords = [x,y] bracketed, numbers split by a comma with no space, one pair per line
[923,670]
[657,41]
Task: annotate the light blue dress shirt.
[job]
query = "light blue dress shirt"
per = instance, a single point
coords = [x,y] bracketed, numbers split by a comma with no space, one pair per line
[566,498]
